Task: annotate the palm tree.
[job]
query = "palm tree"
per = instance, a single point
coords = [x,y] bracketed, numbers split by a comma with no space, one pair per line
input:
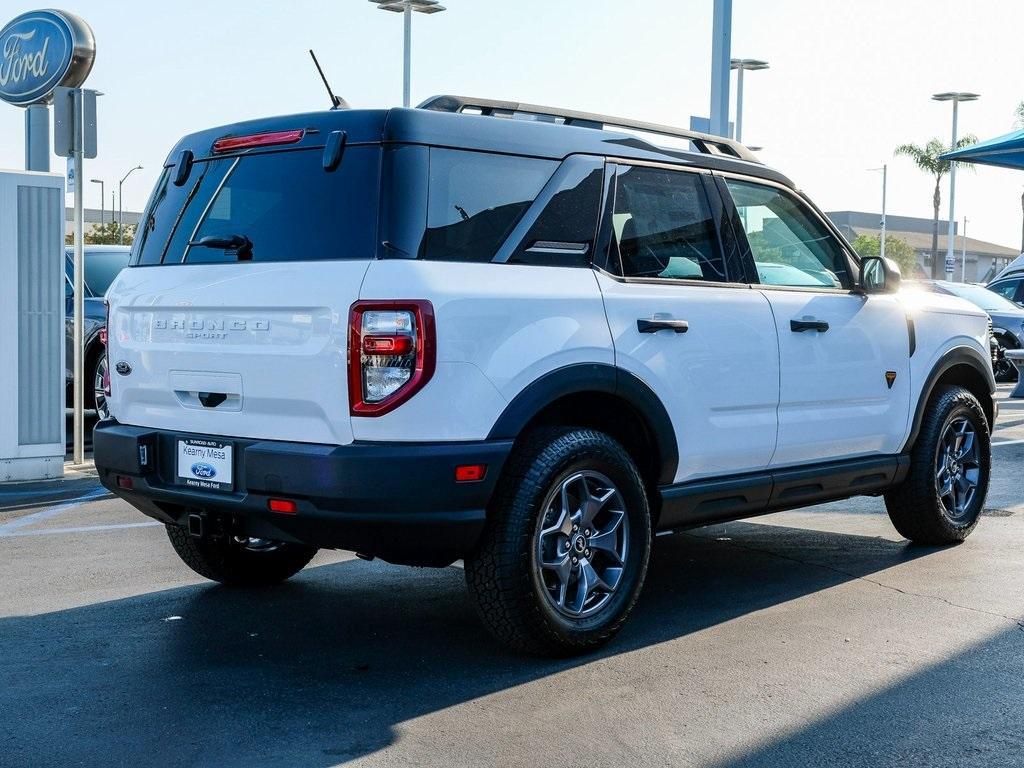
[927,158]
[1019,114]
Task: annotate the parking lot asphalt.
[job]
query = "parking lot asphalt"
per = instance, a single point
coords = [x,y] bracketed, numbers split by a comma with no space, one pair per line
[816,637]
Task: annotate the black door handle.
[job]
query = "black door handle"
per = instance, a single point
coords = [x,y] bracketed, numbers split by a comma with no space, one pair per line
[799,326]
[653,325]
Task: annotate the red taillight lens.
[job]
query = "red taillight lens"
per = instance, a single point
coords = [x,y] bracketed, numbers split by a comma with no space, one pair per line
[391,354]
[229,143]
[283,506]
[470,473]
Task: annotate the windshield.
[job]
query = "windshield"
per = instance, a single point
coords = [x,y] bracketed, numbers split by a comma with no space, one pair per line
[101,267]
[982,297]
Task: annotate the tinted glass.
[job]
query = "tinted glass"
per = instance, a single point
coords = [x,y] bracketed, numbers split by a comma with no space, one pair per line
[1008,289]
[474,200]
[101,267]
[663,226]
[283,202]
[563,233]
[790,246]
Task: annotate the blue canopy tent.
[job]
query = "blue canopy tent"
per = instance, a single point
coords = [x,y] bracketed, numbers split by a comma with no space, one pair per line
[1005,151]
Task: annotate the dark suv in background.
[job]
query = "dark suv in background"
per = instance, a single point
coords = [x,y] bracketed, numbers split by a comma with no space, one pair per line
[102,264]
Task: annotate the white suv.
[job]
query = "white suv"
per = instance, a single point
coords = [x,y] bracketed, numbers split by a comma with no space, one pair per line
[425,335]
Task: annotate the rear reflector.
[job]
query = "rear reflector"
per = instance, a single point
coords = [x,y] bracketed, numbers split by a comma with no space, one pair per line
[387,345]
[257,140]
[470,473]
[284,506]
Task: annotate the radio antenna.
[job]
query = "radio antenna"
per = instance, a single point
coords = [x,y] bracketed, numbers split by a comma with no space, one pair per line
[336,101]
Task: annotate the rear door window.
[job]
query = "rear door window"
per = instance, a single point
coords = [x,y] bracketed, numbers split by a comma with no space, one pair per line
[284,202]
[663,226]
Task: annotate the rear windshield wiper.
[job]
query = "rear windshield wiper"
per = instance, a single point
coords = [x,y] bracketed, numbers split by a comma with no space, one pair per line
[240,244]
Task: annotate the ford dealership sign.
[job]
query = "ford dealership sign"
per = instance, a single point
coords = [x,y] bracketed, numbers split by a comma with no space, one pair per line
[41,50]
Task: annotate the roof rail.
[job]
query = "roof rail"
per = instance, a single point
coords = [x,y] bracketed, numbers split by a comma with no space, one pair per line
[705,143]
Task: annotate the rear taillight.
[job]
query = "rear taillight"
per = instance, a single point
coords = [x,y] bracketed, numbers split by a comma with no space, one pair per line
[391,354]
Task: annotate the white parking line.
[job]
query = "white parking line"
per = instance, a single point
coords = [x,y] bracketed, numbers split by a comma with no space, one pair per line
[80,529]
[7,528]
[1006,442]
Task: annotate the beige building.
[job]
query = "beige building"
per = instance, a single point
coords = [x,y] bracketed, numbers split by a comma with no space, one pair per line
[93,216]
[984,259]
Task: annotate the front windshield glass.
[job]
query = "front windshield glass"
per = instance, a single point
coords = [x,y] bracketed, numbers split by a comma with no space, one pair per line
[982,297]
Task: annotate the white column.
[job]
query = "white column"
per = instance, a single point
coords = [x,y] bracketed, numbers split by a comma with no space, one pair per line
[407,56]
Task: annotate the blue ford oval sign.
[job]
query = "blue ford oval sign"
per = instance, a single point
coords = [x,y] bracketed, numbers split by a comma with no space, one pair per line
[41,50]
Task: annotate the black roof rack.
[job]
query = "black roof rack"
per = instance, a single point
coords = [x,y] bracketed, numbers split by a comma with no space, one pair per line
[706,143]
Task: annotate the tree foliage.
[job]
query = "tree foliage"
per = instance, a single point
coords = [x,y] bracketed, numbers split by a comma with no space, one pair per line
[1019,114]
[107,233]
[928,159]
[897,249]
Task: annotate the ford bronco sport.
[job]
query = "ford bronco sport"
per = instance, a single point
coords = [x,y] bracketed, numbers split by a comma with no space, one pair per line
[523,337]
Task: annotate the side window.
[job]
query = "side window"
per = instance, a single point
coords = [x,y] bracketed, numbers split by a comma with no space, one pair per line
[789,245]
[1008,289]
[474,199]
[663,226]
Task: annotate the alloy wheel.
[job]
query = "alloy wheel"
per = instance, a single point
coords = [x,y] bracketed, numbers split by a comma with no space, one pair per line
[582,544]
[958,468]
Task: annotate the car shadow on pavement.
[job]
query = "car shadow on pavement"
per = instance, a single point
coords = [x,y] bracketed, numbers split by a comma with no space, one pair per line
[324,668]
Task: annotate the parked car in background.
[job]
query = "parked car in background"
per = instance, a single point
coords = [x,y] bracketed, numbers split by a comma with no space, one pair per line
[102,264]
[1007,318]
[1009,283]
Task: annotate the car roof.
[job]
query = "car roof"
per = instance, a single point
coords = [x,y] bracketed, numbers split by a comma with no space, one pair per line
[90,248]
[532,138]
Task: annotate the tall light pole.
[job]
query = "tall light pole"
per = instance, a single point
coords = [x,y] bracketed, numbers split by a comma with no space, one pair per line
[742,65]
[885,178]
[956,97]
[406,8]
[103,197]
[721,47]
[963,253]
[120,204]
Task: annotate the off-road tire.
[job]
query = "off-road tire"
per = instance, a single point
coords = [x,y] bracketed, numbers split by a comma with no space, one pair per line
[221,558]
[914,506]
[502,574]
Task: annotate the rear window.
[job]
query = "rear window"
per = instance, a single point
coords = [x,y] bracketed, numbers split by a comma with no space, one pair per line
[284,202]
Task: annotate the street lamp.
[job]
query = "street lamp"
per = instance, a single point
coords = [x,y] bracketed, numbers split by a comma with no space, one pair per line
[103,197]
[956,97]
[120,204]
[742,65]
[406,8]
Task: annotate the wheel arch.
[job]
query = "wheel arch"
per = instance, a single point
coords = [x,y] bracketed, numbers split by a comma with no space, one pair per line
[962,366]
[602,397]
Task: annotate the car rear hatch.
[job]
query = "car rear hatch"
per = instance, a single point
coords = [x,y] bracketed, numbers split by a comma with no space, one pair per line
[233,318]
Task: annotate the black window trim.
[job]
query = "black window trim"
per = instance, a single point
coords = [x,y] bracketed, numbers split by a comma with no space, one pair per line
[852,260]
[604,238]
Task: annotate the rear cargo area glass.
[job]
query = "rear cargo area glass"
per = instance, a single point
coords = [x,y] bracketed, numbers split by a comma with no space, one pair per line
[284,202]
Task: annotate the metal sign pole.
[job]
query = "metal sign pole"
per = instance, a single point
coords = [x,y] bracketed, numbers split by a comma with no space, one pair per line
[79,324]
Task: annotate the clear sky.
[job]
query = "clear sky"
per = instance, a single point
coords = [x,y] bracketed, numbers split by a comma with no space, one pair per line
[848,80]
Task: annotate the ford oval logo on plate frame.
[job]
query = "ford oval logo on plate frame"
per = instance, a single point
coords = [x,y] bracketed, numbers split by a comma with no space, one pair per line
[41,50]
[204,470]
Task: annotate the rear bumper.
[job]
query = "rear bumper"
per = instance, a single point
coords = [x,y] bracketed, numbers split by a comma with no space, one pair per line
[397,501]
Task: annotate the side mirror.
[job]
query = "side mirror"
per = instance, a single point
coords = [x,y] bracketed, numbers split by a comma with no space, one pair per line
[878,275]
